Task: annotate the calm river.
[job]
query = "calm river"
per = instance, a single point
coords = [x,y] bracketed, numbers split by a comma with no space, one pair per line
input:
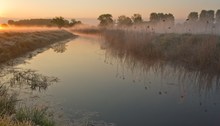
[96,86]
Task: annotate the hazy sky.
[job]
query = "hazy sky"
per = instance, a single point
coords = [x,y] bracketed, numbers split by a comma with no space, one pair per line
[93,8]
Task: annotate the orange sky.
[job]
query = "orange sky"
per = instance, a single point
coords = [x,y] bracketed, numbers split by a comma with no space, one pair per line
[93,8]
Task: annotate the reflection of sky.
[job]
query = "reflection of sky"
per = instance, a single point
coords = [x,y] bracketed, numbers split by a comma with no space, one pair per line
[88,81]
[92,8]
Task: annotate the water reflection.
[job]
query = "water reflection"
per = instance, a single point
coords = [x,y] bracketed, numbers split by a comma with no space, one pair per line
[147,91]
[59,47]
[190,84]
[139,65]
[15,77]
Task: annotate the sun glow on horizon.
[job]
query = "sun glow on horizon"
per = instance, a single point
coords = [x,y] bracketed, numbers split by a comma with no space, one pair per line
[1,28]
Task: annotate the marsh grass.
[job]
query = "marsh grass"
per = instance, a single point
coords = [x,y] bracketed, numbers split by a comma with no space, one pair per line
[8,121]
[23,116]
[36,115]
[11,114]
[142,67]
[7,102]
[193,51]
[15,44]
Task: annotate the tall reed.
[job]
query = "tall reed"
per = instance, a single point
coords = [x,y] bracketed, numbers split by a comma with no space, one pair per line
[194,51]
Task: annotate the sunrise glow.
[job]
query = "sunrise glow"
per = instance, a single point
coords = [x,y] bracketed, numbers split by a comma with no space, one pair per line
[93,8]
[109,62]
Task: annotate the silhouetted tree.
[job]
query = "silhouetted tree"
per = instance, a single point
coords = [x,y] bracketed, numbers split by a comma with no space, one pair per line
[211,15]
[11,22]
[31,22]
[137,19]
[206,20]
[193,17]
[59,21]
[202,16]
[161,17]
[207,16]
[170,18]
[124,21]
[74,22]
[105,20]
[165,19]
[218,16]
[154,18]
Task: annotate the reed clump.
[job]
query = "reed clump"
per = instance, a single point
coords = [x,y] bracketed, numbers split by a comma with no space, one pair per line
[37,116]
[193,51]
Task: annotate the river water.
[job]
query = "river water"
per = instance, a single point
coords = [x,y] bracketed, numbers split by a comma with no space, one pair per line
[98,87]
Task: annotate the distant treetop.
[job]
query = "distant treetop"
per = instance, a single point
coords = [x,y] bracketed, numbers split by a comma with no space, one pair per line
[105,20]
[137,19]
[124,21]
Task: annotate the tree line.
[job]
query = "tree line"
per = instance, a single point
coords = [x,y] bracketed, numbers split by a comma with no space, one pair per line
[205,17]
[57,21]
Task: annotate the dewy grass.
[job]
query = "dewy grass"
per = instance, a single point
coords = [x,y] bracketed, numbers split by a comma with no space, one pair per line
[193,51]
[24,116]
[38,116]
[15,44]
[8,121]
[7,102]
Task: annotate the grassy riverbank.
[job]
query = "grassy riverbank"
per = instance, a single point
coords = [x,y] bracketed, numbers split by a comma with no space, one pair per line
[16,43]
[23,116]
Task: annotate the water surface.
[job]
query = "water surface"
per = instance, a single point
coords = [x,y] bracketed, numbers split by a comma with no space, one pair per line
[95,85]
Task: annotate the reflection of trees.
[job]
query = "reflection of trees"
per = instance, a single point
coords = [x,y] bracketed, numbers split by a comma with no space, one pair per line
[59,47]
[27,77]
